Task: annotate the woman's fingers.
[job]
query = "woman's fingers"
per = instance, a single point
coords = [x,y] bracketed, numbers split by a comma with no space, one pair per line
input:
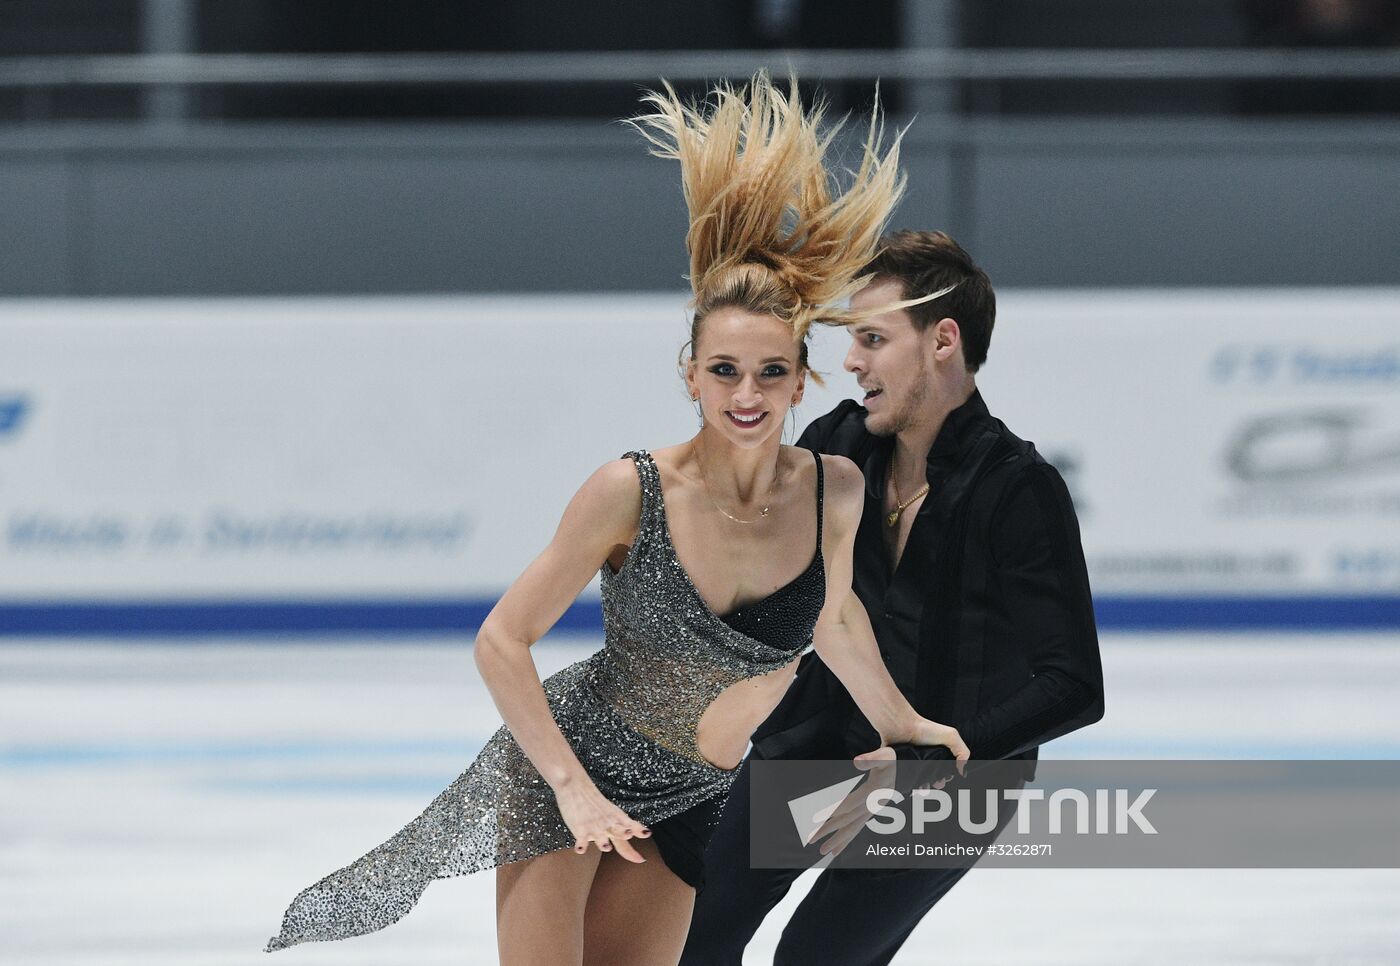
[615,837]
[629,829]
[960,751]
[958,746]
[601,840]
[621,839]
[948,737]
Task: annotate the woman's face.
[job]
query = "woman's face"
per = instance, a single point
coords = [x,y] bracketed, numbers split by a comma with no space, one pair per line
[746,374]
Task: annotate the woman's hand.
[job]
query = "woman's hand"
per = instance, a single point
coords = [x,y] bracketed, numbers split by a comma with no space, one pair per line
[925,732]
[594,819]
[928,732]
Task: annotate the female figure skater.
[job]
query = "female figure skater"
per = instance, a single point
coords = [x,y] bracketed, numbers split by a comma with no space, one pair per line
[721,562]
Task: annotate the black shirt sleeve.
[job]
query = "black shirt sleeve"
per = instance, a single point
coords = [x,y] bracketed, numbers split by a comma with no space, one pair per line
[818,434]
[1042,589]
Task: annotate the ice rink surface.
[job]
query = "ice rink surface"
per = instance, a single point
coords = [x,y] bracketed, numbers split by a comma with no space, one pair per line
[163,801]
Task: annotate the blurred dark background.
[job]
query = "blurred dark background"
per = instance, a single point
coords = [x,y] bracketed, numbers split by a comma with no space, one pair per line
[345,26]
[1080,142]
[49,27]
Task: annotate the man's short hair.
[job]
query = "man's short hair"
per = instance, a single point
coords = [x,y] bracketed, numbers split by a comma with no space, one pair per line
[926,261]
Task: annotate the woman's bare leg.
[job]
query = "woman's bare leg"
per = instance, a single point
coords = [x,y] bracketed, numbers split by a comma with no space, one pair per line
[637,914]
[540,905]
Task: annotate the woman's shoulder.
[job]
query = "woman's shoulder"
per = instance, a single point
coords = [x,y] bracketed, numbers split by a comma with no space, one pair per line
[842,478]
[843,489]
[612,494]
[617,474]
[671,455]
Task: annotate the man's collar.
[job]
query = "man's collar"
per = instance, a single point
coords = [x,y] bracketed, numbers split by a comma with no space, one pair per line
[958,432]
[959,429]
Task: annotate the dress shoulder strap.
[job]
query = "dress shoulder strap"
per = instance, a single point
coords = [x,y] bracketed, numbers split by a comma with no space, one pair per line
[650,478]
[819,500]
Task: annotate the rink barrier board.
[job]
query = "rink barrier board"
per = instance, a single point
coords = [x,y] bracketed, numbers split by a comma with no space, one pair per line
[322,465]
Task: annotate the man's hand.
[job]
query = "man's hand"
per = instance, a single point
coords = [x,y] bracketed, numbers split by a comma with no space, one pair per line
[846,822]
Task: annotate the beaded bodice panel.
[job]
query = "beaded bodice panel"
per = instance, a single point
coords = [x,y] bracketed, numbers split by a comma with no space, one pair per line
[666,654]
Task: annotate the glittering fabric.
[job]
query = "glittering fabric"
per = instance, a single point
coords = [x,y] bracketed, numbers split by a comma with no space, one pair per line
[629,711]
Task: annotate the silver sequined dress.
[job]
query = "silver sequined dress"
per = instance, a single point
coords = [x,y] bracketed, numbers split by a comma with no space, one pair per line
[629,711]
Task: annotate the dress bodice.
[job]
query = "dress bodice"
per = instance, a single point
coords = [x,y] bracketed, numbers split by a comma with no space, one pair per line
[666,654]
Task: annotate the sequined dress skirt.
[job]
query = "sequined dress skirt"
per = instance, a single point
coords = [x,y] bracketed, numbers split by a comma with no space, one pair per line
[500,810]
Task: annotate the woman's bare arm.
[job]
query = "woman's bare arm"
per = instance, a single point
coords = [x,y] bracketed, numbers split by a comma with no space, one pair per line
[843,637]
[601,515]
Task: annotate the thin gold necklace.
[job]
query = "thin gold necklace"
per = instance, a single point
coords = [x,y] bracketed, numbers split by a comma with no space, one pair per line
[762,513]
[892,518]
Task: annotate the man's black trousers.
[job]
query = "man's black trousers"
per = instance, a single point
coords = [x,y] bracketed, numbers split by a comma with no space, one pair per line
[851,917]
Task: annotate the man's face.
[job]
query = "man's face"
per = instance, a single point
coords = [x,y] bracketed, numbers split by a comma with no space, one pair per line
[892,360]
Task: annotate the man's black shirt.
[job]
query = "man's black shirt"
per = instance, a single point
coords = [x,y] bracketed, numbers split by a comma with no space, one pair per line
[986,623]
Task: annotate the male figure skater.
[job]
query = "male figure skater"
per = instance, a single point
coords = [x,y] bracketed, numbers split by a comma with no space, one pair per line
[968,562]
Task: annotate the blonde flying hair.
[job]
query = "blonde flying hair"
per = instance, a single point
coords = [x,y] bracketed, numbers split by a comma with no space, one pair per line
[770,230]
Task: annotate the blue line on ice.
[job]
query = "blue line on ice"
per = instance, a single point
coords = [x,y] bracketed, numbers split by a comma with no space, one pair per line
[50,755]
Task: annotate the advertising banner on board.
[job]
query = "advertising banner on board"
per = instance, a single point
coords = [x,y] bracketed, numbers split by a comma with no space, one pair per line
[1232,454]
